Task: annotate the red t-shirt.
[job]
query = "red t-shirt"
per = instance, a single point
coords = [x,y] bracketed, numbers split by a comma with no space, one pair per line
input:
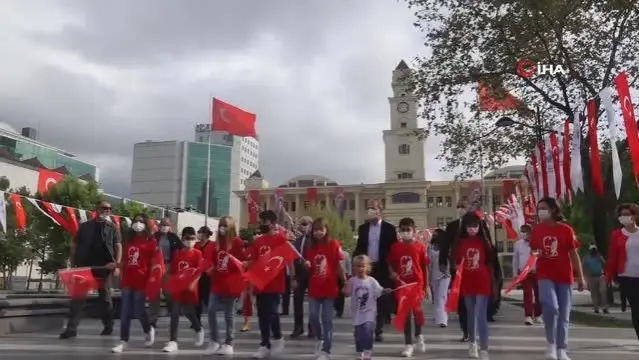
[182,260]
[409,261]
[325,260]
[262,245]
[225,275]
[204,247]
[476,276]
[138,258]
[554,244]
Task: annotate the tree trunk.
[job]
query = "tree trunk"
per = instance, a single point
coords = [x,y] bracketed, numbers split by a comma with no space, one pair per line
[29,274]
[595,203]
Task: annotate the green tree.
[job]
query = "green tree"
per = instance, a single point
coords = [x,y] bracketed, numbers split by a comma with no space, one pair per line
[338,227]
[473,40]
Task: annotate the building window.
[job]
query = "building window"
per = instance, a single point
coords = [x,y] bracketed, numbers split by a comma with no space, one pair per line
[448,200]
[404,176]
[497,199]
[449,220]
[510,246]
[404,149]
[352,222]
[351,205]
[441,222]
[439,201]
[402,125]
[429,202]
[405,198]
[323,204]
[500,246]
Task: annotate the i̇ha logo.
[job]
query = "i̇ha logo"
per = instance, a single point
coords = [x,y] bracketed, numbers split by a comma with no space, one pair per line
[527,68]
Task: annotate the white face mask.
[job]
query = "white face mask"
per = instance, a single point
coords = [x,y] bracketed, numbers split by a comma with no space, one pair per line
[626,220]
[407,235]
[138,227]
[371,215]
[222,230]
[189,244]
[461,212]
[543,214]
[165,229]
[202,236]
[472,231]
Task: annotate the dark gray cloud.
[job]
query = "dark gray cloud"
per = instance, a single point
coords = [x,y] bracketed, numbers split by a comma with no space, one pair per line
[98,76]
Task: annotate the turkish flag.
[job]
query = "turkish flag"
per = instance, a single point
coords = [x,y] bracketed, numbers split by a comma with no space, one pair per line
[452,303]
[78,282]
[629,121]
[264,270]
[182,281]
[409,297]
[495,98]
[523,274]
[595,156]
[47,178]
[21,215]
[235,121]
[154,285]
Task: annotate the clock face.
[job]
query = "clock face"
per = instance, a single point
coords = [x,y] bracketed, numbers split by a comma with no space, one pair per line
[402,107]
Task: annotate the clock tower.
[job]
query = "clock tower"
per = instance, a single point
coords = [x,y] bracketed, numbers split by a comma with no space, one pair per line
[404,150]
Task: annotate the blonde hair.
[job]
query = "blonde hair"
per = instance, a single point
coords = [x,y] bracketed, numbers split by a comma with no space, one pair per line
[232,230]
[365,260]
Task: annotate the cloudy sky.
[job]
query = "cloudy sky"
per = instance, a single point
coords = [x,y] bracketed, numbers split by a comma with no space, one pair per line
[95,77]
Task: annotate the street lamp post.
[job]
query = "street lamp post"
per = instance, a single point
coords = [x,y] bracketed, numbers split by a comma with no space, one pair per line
[538,127]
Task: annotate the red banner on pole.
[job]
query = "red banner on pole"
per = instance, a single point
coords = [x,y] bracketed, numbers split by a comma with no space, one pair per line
[452,303]
[523,274]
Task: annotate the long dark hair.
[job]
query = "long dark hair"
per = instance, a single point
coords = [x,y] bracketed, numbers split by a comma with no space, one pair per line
[147,229]
[472,219]
[553,206]
[316,224]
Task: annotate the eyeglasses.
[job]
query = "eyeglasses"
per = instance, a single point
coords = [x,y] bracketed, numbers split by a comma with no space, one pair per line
[105,208]
[303,224]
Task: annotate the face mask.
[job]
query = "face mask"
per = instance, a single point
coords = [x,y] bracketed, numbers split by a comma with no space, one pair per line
[371,215]
[165,229]
[626,220]
[189,243]
[138,227]
[318,234]
[407,235]
[472,231]
[525,236]
[265,228]
[461,212]
[202,237]
[222,230]
[543,214]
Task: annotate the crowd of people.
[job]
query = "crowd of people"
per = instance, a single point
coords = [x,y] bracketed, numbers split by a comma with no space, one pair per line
[386,258]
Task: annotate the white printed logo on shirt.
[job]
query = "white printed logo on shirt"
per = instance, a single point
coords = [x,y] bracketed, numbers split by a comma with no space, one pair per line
[406,265]
[319,264]
[472,259]
[183,265]
[264,249]
[222,261]
[550,245]
[134,255]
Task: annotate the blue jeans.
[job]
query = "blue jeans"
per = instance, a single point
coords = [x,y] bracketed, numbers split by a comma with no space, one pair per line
[364,336]
[131,307]
[556,303]
[324,308]
[477,310]
[228,308]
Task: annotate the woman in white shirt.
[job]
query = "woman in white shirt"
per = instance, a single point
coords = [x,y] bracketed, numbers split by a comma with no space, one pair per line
[439,281]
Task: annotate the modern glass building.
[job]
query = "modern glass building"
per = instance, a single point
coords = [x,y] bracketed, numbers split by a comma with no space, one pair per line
[23,149]
[220,181]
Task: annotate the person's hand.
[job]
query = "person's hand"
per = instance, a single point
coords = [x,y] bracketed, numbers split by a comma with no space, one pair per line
[443,269]
[293,284]
[426,293]
[111,265]
[386,291]
[393,276]
[116,272]
[581,284]
[245,264]
[307,264]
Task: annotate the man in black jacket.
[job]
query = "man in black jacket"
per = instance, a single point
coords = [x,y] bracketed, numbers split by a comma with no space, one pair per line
[168,242]
[299,277]
[96,245]
[375,238]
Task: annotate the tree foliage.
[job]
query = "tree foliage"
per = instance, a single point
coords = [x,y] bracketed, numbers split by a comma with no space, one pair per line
[471,40]
[338,227]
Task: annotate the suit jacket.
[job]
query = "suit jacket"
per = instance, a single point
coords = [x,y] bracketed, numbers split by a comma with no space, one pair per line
[85,237]
[300,271]
[387,237]
[174,241]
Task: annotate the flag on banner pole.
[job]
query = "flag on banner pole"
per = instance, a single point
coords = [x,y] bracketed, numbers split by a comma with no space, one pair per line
[606,99]
[3,212]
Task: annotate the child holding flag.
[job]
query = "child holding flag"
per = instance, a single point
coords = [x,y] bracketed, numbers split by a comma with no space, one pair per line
[364,292]
[325,267]
[139,255]
[408,262]
[183,286]
[474,248]
[226,269]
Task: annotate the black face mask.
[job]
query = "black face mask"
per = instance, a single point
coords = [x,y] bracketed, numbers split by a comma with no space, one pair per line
[265,228]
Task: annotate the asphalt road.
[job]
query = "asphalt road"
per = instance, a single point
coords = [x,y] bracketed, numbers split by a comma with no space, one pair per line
[509,338]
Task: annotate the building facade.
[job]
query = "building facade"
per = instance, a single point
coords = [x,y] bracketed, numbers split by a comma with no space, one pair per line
[28,150]
[405,193]
[173,174]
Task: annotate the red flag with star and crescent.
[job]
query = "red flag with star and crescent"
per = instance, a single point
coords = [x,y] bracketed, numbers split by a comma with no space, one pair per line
[409,296]
[78,282]
[47,179]
[231,119]
[264,270]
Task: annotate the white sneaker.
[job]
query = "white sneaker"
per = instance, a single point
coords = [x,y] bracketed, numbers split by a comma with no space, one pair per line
[225,350]
[551,352]
[421,344]
[483,355]
[119,347]
[367,355]
[528,320]
[261,353]
[323,356]
[318,348]
[199,338]
[562,354]
[408,351]
[539,320]
[277,346]
[213,347]
[149,338]
[473,353]
[170,347]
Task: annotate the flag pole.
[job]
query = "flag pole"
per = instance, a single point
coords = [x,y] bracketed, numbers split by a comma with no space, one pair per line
[208,164]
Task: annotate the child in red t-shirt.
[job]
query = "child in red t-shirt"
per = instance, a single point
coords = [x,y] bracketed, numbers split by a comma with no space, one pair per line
[408,263]
[185,261]
[203,244]
[324,262]
[474,248]
[556,245]
[139,254]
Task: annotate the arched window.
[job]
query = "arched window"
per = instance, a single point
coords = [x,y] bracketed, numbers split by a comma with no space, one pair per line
[404,149]
[405,198]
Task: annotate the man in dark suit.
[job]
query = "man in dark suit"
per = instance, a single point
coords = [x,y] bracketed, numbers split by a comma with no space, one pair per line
[299,277]
[375,238]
